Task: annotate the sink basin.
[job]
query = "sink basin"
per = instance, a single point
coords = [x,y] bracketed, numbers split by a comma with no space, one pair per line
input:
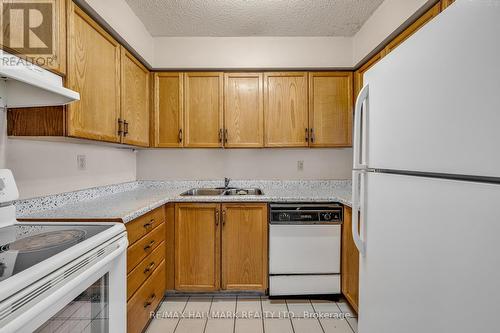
[243,191]
[221,191]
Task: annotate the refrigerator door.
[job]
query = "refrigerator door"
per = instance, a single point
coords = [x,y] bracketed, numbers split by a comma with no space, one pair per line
[433,102]
[432,259]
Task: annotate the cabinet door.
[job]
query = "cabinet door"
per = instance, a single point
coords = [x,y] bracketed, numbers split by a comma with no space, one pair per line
[244,247]
[285,109]
[446,3]
[203,109]
[330,109]
[197,252]
[350,262]
[134,100]
[94,72]
[243,110]
[168,109]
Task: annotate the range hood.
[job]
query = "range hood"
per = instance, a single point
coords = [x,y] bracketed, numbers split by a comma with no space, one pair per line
[23,84]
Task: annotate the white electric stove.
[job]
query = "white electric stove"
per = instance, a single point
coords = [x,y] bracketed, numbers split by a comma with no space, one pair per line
[59,277]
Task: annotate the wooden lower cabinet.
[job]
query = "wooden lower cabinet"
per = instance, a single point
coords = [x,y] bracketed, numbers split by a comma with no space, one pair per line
[220,247]
[145,300]
[146,268]
[244,247]
[350,262]
[197,247]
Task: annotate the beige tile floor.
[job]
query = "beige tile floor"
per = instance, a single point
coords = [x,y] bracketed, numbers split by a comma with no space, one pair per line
[253,315]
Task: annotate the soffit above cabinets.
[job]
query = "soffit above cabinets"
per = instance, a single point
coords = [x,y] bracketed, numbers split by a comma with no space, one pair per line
[239,18]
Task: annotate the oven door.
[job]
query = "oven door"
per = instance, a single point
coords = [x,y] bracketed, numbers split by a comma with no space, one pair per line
[304,249]
[87,295]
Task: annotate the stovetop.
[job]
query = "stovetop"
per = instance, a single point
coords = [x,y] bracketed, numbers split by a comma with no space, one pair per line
[25,245]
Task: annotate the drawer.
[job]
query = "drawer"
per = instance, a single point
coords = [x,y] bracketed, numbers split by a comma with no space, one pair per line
[145,300]
[144,246]
[144,224]
[144,270]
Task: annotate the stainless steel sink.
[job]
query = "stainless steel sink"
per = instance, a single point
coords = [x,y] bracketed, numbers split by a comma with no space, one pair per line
[221,191]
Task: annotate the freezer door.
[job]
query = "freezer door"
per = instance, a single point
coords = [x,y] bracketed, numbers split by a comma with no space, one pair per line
[432,261]
[433,103]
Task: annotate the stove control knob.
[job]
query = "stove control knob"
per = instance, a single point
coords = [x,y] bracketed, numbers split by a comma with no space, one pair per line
[327,216]
[284,217]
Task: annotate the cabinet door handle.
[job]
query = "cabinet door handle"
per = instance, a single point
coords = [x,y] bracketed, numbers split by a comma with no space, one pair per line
[149,268]
[150,300]
[148,246]
[180,135]
[120,127]
[307,134]
[220,135]
[216,217]
[311,136]
[223,217]
[225,135]
[149,224]
[125,128]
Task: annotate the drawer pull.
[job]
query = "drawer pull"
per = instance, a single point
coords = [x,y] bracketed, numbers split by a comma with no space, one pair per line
[150,300]
[149,246]
[149,268]
[149,224]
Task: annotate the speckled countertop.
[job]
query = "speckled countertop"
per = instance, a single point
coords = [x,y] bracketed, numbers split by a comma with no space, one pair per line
[127,201]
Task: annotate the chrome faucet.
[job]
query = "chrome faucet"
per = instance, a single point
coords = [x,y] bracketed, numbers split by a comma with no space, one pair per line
[226,182]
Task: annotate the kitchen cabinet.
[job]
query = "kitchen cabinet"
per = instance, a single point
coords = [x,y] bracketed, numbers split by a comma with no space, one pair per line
[205,233]
[55,59]
[446,3]
[330,109]
[414,27]
[244,247]
[94,72]
[146,267]
[286,109]
[197,247]
[350,262]
[243,110]
[358,75]
[203,106]
[135,100]
[168,109]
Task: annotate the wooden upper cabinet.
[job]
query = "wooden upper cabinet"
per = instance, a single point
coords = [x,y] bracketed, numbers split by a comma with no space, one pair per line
[350,262]
[197,250]
[446,3]
[243,110]
[285,109]
[422,20]
[168,110]
[358,75]
[244,247]
[94,72]
[54,59]
[203,104]
[330,109]
[134,100]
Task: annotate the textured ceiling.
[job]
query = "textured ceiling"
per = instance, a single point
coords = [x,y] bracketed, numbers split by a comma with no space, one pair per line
[228,18]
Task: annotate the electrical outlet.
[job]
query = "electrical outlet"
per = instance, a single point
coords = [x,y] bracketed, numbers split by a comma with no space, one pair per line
[300,165]
[81,162]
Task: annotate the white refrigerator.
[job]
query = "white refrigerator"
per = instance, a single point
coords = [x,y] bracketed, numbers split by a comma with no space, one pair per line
[426,179]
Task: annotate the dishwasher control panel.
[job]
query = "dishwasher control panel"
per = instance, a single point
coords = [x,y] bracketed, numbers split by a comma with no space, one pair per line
[306,214]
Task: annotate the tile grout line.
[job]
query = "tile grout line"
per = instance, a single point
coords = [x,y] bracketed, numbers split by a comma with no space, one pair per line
[208,314]
[262,314]
[289,317]
[316,312]
[235,313]
[342,311]
[182,313]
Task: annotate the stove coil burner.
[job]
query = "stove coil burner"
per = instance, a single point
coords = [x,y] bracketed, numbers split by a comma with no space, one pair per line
[45,241]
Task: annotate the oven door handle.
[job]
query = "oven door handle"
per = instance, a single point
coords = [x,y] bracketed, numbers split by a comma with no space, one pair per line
[30,318]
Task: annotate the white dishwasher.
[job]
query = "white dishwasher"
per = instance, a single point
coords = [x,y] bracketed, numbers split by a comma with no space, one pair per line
[304,249]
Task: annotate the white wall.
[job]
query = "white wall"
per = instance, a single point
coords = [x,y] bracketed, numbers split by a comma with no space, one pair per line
[266,164]
[252,52]
[387,18]
[43,168]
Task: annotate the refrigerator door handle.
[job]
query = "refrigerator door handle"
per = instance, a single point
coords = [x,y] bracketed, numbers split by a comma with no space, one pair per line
[358,129]
[356,207]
